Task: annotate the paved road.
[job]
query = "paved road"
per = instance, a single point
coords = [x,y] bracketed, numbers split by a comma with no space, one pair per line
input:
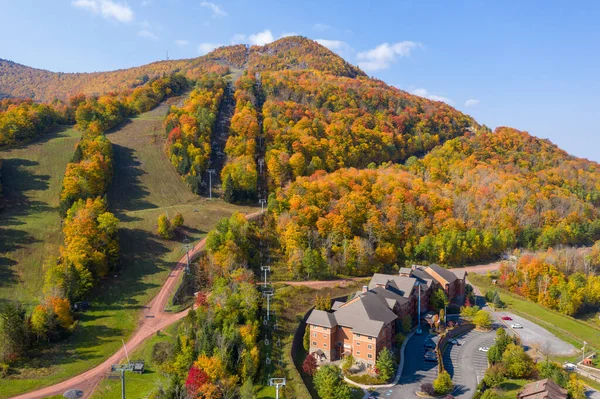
[148,326]
[466,364]
[533,335]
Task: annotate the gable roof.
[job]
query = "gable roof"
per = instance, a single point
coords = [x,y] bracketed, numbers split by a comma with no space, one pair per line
[322,319]
[543,389]
[442,272]
[404,285]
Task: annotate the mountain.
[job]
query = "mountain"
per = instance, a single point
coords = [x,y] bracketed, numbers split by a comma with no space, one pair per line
[21,81]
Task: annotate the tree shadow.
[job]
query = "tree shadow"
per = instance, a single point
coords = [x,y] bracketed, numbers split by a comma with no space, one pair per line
[126,192]
[56,132]
[17,180]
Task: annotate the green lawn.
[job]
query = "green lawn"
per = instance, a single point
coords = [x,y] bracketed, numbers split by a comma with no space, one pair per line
[510,388]
[29,221]
[145,185]
[566,328]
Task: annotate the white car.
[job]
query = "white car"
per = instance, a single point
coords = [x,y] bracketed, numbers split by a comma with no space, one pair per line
[569,367]
[484,348]
[516,326]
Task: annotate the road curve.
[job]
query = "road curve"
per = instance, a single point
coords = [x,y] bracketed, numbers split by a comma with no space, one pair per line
[153,319]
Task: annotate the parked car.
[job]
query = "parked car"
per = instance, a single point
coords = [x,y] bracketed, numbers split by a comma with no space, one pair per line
[569,366]
[516,326]
[507,318]
[484,348]
[430,356]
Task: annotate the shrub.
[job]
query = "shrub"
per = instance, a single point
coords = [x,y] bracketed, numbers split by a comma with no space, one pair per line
[177,220]
[306,339]
[4,370]
[347,363]
[162,351]
[518,364]
[482,319]
[495,375]
[443,383]
[428,388]
[164,227]
[309,366]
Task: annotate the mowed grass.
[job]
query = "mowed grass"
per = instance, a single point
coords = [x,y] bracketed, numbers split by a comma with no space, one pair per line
[30,227]
[564,327]
[144,186]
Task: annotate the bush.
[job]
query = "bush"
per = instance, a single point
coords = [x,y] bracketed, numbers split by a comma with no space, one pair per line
[347,363]
[4,370]
[443,383]
[164,227]
[162,351]
[177,220]
[309,366]
[495,375]
[482,320]
[518,363]
[489,394]
[306,338]
[428,388]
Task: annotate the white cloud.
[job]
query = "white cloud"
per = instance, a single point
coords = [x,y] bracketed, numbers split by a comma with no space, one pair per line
[181,42]
[147,34]
[333,45]
[471,102]
[382,56]
[261,38]
[424,93]
[107,8]
[204,48]
[217,11]
[238,38]
[321,27]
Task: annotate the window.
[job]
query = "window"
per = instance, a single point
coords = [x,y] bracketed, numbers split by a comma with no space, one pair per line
[324,335]
[324,345]
[357,335]
[358,352]
[314,343]
[314,334]
[370,338]
[370,356]
[370,346]
[358,344]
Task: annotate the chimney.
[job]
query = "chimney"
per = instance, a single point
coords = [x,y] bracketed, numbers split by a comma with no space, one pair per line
[365,289]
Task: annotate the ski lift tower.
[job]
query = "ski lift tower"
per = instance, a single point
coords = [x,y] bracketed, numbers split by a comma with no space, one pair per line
[277,383]
[265,269]
[268,295]
[187,246]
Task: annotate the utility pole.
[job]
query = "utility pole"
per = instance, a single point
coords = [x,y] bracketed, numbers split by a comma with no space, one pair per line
[187,246]
[277,382]
[583,355]
[262,202]
[265,269]
[210,173]
[268,295]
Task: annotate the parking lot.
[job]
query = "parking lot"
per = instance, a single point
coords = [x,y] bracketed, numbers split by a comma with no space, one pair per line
[465,363]
[533,335]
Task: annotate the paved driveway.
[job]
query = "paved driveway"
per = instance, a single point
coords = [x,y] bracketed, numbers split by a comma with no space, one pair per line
[466,364]
[534,335]
[416,371]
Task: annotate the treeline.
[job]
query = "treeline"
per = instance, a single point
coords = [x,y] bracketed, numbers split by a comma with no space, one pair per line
[189,129]
[21,121]
[546,279]
[239,175]
[218,350]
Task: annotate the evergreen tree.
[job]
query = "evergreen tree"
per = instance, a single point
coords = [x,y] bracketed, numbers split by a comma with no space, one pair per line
[229,190]
[386,364]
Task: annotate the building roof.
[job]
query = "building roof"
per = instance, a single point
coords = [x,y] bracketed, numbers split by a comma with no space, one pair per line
[391,295]
[366,314]
[322,319]
[459,273]
[442,272]
[543,389]
[405,271]
[404,285]
[336,305]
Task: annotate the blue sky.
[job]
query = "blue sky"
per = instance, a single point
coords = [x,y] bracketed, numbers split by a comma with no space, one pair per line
[532,65]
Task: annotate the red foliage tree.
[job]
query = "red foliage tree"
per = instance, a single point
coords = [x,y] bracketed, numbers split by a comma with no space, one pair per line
[309,365]
[195,380]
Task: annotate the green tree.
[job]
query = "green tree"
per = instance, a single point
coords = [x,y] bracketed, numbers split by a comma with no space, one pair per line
[443,383]
[482,320]
[164,227]
[576,388]
[494,355]
[247,390]
[347,363]
[229,190]
[306,339]
[386,364]
[518,364]
[495,375]
[329,383]
[177,220]
[438,300]
[489,394]
[13,331]
[468,312]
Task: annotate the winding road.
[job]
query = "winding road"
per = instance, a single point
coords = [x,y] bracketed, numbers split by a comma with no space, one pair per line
[154,318]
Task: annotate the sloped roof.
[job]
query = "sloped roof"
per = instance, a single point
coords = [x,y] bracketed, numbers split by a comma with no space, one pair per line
[336,305]
[366,315]
[420,274]
[322,319]
[459,273]
[444,273]
[543,389]
[403,284]
[390,294]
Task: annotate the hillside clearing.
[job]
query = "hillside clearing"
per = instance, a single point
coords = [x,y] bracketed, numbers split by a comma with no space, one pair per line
[145,185]
[30,224]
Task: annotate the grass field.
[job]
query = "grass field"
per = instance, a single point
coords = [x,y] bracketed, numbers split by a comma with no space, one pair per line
[510,388]
[145,185]
[30,227]
[564,327]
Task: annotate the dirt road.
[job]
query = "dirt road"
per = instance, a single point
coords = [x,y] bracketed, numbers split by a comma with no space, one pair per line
[153,319]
